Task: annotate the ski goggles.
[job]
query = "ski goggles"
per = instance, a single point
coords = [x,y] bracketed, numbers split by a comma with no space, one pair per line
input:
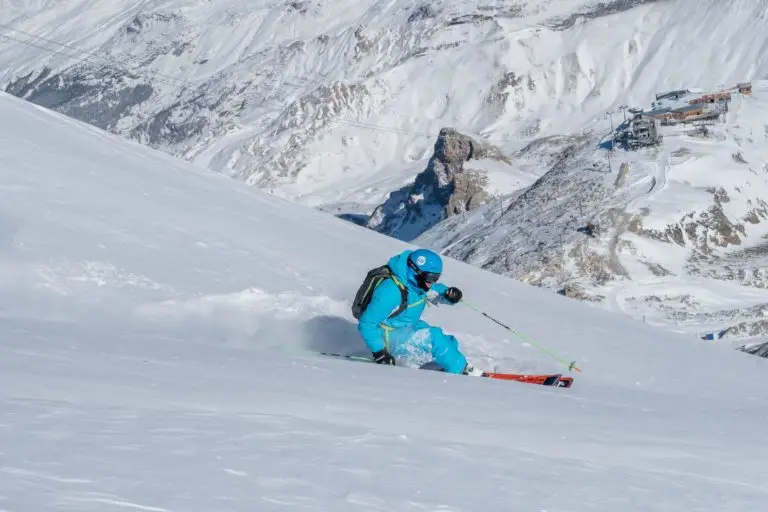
[426,277]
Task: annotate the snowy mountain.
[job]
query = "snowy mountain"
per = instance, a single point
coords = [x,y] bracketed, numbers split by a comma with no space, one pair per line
[340,106]
[160,326]
[680,227]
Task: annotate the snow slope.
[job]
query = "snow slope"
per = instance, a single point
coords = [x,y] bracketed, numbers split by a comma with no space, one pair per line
[159,329]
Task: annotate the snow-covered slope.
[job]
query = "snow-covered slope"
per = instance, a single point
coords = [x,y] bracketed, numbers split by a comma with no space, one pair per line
[158,332]
[337,104]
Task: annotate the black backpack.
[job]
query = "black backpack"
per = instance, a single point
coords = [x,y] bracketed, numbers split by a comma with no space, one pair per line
[365,292]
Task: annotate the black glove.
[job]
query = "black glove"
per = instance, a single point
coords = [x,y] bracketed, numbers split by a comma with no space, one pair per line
[453,295]
[383,357]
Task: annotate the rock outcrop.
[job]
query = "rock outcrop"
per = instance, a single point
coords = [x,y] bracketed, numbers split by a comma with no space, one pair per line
[444,189]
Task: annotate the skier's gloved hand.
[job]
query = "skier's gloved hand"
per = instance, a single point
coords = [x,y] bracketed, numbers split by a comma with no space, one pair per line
[453,295]
[383,357]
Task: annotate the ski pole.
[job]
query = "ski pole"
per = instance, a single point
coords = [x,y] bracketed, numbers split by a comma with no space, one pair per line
[571,366]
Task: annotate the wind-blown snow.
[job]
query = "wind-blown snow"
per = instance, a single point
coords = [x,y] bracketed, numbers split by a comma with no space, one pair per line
[158,332]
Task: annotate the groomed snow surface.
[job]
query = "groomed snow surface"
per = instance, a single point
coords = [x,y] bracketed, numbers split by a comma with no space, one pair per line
[158,348]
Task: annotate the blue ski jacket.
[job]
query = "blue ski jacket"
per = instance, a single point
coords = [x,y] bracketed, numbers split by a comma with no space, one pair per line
[397,334]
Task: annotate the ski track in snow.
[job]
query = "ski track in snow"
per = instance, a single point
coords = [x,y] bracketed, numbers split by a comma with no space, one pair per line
[614,297]
[668,199]
[173,365]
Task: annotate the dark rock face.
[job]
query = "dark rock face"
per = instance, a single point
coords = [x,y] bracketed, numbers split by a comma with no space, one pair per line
[445,188]
[422,12]
[757,349]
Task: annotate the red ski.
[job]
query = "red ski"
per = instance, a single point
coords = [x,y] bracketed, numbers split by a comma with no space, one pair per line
[554,379]
[551,379]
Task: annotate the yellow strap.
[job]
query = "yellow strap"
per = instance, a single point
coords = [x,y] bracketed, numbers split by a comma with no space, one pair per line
[417,302]
[388,328]
[400,285]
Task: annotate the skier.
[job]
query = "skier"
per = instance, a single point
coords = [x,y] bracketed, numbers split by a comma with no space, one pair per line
[390,321]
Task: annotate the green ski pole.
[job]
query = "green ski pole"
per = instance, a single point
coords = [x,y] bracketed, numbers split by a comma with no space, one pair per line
[571,366]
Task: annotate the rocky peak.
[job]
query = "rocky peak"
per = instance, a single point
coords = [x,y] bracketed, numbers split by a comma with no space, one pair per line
[445,188]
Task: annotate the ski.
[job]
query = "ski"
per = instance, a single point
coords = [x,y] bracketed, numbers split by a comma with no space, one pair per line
[554,379]
[549,379]
[363,359]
